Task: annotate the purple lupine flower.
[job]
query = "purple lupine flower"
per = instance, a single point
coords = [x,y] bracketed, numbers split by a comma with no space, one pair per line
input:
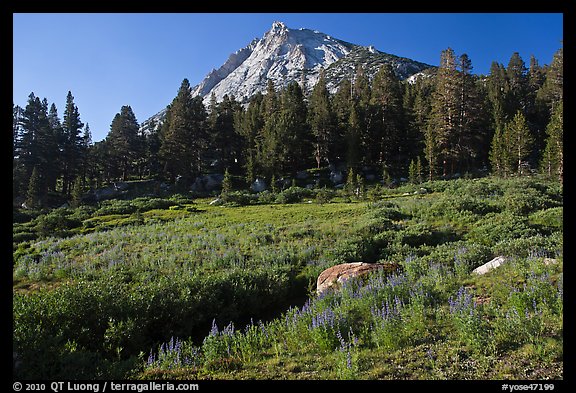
[229,330]
[263,328]
[214,330]
[349,360]
[341,340]
[151,359]
[462,302]
[351,334]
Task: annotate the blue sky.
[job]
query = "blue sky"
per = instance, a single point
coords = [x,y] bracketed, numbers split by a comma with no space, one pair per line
[140,59]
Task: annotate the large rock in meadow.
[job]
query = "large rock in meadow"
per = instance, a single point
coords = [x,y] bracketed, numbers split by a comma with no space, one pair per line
[336,275]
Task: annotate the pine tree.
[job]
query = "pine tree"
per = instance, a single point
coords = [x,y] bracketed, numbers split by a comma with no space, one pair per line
[225,143]
[77,192]
[71,143]
[226,183]
[431,151]
[387,132]
[58,135]
[412,177]
[457,119]
[419,173]
[499,155]
[268,140]
[360,186]
[361,95]
[552,91]
[497,89]
[351,181]
[293,130]
[444,118]
[536,116]
[124,143]
[415,171]
[342,102]
[322,122]
[34,194]
[553,157]
[37,145]
[352,138]
[183,136]
[248,124]
[519,140]
[471,140]
[516,74]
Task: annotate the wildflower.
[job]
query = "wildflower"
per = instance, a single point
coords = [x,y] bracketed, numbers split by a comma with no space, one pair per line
[462,302]
[151,359]
[214,330]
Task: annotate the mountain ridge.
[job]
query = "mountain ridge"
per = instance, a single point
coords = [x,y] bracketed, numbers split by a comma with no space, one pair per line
[284,55]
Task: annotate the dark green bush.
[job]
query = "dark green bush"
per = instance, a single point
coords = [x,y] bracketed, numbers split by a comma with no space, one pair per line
[238,198]
[115,206]
[294,195]
[494,228]
[525,200]
[58,222]
[144,204]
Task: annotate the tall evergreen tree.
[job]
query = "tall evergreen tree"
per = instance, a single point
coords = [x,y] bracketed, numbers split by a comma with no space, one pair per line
[293,130]
[322,122]
[124,143]
[552,91]
[248,124]
[184,135]
[71,143]
[472,141]
[519,141]
[342,102]
[361,94]
[417,106]
[499,155]
[225,144]
[35,193]
[443,120]
[387,132]
[353,138]
[37,145]
[268,140]
[497,90]
[553,157]
[517,76]
[58,135]
[457,119]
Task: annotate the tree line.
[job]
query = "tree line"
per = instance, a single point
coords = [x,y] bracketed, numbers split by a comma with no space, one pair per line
[451,122]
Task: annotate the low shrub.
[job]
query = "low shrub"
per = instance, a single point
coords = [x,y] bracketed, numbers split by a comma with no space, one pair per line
[294,195]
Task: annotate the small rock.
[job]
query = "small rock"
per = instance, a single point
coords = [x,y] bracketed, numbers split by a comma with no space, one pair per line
[550,261]
[259,185]
[494,263]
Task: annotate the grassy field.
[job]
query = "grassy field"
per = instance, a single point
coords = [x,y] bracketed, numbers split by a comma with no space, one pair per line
[183,289]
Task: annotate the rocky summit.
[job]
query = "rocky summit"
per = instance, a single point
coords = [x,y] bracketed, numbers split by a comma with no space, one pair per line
[284,55]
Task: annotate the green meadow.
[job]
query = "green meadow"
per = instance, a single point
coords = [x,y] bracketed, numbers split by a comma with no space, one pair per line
[182,288]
